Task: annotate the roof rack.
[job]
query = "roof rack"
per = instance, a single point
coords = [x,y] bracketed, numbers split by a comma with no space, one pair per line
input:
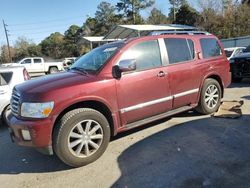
[183,32]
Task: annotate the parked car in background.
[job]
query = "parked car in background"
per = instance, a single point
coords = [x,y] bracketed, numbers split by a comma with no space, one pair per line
[37,66]
[116,87]
[234,51]
[240,66]
[9,77]
[67,62]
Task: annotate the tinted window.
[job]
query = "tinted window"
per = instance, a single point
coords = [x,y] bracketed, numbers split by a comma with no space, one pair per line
[5,78]
[147,55]
[26,61]
[179,50]
[210,48]
[37,61]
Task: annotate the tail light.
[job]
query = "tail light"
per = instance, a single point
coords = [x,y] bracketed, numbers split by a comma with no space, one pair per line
[26,75]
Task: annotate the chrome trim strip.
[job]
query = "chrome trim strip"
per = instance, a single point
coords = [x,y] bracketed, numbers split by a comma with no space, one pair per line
[186,93]
[142,105]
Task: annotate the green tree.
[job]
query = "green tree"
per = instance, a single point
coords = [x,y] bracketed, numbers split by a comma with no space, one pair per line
[71,37]
[25,48]
[187,15]
[157,17]
[53,45]
[4,55]
[90,26]
[246,2]
[176,4]
[106,18]
[131,9]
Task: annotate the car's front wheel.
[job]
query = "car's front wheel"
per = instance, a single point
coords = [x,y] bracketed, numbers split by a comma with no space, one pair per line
[210,97]
[81,137]
[5,114]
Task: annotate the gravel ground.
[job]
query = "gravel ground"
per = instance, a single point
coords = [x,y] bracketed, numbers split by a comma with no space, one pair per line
[187,150]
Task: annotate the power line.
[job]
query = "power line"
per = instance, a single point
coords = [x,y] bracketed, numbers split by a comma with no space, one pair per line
[48,21]
[42,28]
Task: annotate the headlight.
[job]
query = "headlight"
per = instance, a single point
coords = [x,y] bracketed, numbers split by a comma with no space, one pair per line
[36,110]
[231,61]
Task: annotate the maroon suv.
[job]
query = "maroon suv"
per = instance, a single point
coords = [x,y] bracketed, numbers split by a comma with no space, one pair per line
[117,87]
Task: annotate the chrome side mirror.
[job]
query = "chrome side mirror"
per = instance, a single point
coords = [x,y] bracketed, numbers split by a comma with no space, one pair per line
[124,66]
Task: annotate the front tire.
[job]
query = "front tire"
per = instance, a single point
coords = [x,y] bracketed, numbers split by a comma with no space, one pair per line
[210,97]
[81,137]
[5,114]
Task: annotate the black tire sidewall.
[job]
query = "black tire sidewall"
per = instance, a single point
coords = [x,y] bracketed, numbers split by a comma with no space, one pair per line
[61,138]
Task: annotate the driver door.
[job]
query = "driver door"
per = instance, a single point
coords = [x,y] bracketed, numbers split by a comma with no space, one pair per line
[144,92]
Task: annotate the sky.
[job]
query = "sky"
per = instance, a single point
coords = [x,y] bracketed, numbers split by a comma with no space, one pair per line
[37,19]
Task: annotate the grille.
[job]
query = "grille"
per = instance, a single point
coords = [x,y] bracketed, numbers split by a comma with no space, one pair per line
[15,102]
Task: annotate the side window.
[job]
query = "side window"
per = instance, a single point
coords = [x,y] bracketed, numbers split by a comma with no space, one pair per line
[179,50]
[210,47]
[26,61]
[5,78]
[37,61]
[147,55]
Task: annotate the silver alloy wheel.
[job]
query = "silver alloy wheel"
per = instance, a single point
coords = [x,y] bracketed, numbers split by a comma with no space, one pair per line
[85,138]
[212,96]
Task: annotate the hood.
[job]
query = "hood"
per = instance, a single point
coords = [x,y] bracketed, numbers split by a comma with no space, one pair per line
[54,82]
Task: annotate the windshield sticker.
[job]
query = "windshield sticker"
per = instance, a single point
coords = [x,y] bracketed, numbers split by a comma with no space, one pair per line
[110,49]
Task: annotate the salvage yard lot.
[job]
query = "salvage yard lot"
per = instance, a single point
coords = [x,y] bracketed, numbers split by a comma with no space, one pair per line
[187,150]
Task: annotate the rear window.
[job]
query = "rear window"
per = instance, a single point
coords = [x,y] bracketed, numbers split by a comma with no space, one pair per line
[5,78]
[179,50]
[210,47]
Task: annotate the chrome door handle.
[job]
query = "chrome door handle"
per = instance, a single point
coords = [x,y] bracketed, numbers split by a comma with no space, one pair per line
[161,74]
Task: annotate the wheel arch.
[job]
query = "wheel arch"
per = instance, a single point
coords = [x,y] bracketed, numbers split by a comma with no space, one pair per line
[96,105]
[219,80]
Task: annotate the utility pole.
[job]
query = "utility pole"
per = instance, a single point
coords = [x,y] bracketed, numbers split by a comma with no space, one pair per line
[7,38]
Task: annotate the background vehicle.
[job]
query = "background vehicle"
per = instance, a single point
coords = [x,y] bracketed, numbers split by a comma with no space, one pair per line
[240,67]
[117,87]
[9,77]
[37,65]
[234,51]
[67,62]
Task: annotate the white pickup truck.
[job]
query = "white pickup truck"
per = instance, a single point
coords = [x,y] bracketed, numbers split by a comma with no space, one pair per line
[37,65]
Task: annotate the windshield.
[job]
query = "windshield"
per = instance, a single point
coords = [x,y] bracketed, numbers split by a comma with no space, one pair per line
[95,59]
[228,52]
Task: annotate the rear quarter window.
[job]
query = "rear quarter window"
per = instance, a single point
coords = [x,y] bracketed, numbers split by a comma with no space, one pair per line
[5,78]
[210,47]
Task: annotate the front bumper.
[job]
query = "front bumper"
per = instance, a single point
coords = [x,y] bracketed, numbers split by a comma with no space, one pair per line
[40,133]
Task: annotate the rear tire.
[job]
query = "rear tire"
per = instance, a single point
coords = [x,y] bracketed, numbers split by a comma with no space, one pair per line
[210,97]
[81,137]
[53,70]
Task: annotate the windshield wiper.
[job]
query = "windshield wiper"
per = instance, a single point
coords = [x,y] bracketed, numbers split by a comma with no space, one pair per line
[79,69]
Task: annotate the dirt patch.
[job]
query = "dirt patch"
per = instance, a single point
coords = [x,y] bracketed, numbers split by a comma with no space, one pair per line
[230,109]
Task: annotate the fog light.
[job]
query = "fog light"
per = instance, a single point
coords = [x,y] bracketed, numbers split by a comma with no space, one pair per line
[26,135]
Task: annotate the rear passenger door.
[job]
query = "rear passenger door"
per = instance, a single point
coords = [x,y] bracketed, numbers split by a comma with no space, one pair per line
[183,81]
[38,65]
[144,92]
